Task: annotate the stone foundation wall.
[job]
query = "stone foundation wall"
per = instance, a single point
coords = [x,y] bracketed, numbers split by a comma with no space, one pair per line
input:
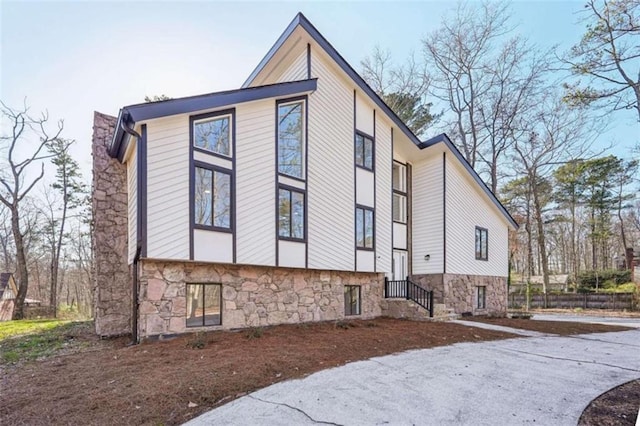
[111,276]
[459,293]
[251,295]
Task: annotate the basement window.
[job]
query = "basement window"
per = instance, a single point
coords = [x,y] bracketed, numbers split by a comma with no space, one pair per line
[482,297]
[351,300]
[204,302]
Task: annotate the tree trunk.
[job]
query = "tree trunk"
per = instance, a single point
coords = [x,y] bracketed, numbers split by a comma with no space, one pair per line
[541,241]
[22,274]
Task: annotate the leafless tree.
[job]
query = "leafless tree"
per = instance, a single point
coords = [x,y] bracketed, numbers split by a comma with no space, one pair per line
[18,181]
[607,56]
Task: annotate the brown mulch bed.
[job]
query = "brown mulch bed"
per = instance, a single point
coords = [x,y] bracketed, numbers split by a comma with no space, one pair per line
[172,381]
[562,328]
[616,407]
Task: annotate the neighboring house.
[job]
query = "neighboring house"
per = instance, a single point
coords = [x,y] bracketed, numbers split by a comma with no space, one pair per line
[8,293]
[556,283]
[291,199]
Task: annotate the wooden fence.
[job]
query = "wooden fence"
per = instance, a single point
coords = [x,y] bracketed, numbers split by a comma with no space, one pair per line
[616,301]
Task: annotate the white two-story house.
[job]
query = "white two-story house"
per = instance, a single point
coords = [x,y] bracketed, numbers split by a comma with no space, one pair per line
[294,198]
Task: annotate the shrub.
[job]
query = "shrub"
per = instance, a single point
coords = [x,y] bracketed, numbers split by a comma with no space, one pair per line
[602,279]
[254,333]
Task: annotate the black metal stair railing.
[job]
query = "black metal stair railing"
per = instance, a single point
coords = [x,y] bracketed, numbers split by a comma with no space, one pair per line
[409,290]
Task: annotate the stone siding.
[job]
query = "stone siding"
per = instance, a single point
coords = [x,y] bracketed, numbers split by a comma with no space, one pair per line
[458,292]
[251,295]
[111,275]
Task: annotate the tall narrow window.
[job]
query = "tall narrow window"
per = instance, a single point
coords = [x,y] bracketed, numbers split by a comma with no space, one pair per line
[213,134]
[290,214]
[482,297]
[364,228]
[399,193]
[291,139]
[482,244]
[212,198]
[203,305]
[351,300]
[364,151]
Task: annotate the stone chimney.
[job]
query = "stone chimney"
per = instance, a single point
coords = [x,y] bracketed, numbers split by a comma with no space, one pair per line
[111,273]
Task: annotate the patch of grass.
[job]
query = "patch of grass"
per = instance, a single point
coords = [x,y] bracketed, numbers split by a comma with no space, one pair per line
[29,340]
[254,333]
[22,327]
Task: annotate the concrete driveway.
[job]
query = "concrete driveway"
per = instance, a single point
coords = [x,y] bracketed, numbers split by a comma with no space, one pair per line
[545,380]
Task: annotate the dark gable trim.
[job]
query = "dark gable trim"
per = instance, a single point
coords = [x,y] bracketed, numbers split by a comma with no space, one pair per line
[141,226]
[308,61]
[139,112]
[445,139]
[301,20]
[232,172]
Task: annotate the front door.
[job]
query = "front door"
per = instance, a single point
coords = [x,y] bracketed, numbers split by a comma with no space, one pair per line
[400,265]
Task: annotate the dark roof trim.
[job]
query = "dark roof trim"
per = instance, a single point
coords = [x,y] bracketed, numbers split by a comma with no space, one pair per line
[132,114]
[301,20]
[445,139]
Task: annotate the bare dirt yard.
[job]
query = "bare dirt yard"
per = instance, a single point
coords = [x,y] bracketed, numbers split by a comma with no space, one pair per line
[562,328]
[617,407]
[103,382]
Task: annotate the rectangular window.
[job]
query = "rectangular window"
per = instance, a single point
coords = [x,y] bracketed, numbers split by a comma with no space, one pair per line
[204,302]
[364,151]
[212,198]
[290,214]
[482,244]
[399,177]
[213,134]
[291,139]
[364,228]
[351,300]
[482,297]
[400,208]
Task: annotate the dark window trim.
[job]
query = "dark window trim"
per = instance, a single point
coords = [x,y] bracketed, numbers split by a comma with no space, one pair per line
[203,318]
[192,165]
[304,231]
[305,135]
[406,207]
[216,168]
[486,231]
[373,149]
[352,286]
[199,117]
[373,218]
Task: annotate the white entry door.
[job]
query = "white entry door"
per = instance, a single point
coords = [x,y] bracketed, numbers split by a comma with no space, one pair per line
[400,265]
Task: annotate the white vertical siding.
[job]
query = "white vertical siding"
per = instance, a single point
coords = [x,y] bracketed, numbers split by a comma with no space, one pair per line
[132,195]
[255,183]
[212,246]
[468,207]
[364,115]
[383,162]
[427,216]
[291,254]
[168,188]
[297,70]
[331,179]
[365,187]
[366,260]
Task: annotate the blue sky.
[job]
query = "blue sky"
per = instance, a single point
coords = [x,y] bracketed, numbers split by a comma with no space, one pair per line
[76,57]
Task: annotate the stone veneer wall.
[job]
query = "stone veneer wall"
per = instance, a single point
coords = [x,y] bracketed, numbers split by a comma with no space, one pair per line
[251,295]
[458,292]
[111,275]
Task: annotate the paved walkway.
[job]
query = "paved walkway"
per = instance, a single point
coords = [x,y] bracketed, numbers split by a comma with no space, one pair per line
[545,380]
[625,322]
